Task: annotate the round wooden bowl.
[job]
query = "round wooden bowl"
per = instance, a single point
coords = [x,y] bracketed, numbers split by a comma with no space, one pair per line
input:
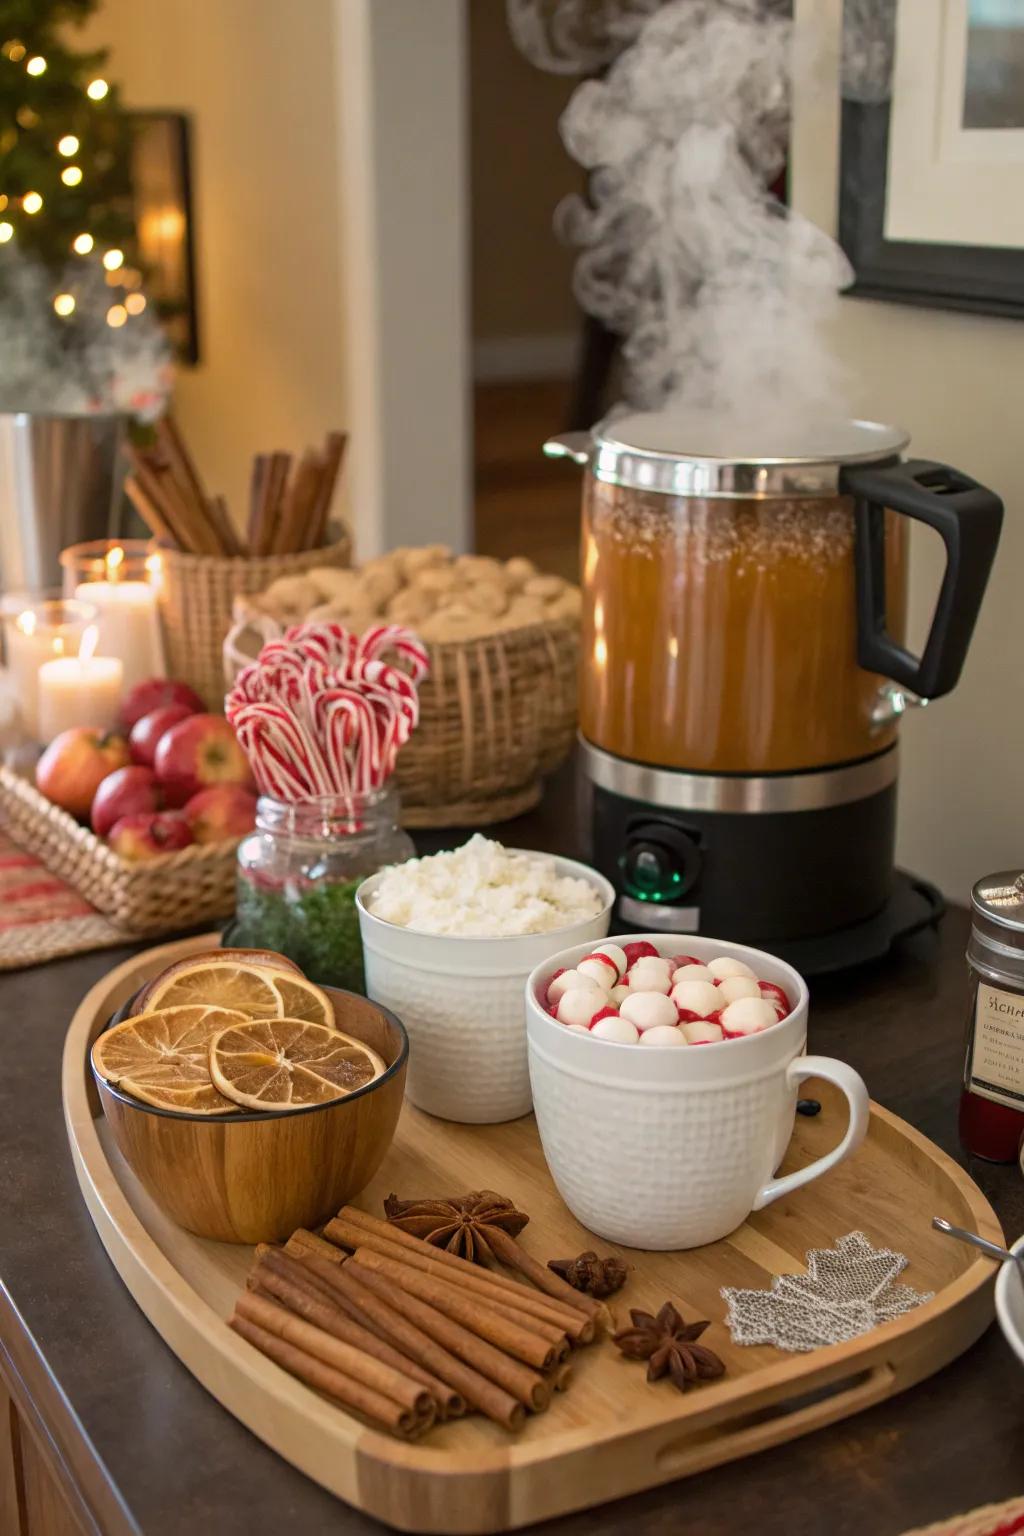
[254,1178]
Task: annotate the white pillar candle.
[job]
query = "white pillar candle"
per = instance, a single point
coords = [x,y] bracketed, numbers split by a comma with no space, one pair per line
[28,646]
[129,626]
[79,691]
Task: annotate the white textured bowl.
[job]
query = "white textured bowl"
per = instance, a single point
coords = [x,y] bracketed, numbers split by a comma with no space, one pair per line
[1010,1302]
[662,1147]
[461,1001]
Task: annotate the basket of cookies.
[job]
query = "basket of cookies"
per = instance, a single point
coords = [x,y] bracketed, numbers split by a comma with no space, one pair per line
[498,707]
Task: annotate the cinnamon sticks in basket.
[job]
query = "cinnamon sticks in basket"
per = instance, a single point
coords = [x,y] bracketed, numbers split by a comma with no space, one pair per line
[288,509]
[406,1335]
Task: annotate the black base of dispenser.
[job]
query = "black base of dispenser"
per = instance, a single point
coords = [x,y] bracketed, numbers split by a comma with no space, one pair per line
[816,886]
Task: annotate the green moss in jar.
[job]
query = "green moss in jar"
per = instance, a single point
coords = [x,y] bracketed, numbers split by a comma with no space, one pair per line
[298,874]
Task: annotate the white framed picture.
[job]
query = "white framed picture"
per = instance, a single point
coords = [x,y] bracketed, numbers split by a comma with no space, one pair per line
[931,203]
[956,128]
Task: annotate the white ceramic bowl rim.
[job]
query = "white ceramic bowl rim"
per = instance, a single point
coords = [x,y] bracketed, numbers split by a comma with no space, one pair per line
[1011,1332]
[547,968]
[569,867]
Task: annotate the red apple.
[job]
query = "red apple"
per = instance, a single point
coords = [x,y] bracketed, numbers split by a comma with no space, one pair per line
[74,765]
[220,812]
[124,793]
[146,732]
[196,752]
[156,693]
[149,833]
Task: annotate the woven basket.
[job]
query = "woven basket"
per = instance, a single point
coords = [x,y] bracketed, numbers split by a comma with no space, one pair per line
[496,716]
[162,895]
[196,600]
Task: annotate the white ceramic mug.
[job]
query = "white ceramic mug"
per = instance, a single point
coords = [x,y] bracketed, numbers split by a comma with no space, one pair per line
[461,1001]
[674,1146]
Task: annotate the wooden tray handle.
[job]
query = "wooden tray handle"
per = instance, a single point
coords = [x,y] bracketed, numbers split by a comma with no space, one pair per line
[760,1428]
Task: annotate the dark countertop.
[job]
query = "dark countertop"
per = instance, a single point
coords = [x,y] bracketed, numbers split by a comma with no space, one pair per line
[161,1457]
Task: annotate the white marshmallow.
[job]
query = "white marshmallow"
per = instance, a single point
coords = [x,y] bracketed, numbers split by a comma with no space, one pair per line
[617,996]
[701,1032]
[748,1016]
[733,987]
[649,1009]
[724,966]
[663,1034]
[579,1005]
[615,954]
[649,975]
[615,1029]
[699,997]
[691,973]
[568,981]
[604,976]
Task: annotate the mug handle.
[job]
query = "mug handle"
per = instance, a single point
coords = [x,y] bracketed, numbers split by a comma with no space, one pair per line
[851,1085]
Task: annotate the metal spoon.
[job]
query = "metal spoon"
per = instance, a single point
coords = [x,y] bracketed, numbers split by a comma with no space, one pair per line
[992,1249]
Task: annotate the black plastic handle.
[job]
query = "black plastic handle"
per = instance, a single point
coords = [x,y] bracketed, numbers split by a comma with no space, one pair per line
[969,518]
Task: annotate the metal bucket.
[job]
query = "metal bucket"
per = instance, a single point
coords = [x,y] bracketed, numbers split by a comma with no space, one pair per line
[60,484]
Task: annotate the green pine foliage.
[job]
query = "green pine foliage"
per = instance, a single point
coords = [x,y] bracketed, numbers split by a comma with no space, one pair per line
[37,111]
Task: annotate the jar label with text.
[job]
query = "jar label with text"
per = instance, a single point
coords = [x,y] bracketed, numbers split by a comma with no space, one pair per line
[997,1058]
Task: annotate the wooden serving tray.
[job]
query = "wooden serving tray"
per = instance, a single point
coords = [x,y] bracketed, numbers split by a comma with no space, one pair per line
[611,1433]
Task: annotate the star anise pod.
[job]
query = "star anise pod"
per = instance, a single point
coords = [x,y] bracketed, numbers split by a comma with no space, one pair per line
[458,1222]
[597,1277]
[670,1347]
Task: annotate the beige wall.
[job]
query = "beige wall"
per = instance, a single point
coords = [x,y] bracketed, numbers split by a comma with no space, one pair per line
[954,381]
[519,171]
[258,79]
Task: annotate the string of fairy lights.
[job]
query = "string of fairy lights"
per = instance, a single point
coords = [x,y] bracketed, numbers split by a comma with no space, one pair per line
[31,204]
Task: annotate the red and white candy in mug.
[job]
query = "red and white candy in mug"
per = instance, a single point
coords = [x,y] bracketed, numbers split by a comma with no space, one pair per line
[636,996]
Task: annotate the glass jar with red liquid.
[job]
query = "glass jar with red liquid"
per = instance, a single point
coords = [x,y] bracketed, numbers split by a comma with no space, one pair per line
[992,1103]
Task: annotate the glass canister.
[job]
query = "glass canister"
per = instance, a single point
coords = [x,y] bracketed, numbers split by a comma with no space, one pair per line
[992,1104]
[298,873]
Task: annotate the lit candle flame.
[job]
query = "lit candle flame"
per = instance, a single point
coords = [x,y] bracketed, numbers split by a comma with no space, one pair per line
[114,561]
[26,622]
[90,640]
[58,645]
[154,567]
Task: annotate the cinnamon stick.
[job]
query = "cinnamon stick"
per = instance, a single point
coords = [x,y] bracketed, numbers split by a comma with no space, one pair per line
[515,1256]
[334,453]
[464,1308]
[257,484]
[379,1367]
[273,499]
[350,1326]
[332,1383]
[517,1379]
[471,1384]
[340,1229]
[150,514]
[298,503]
[482,1282]
[360,1368]
[309,1240]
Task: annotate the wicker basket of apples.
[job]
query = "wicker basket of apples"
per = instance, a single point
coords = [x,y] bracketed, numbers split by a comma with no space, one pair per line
[143,821]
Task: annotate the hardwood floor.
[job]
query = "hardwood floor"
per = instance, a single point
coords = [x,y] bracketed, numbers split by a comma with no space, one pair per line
[525,504]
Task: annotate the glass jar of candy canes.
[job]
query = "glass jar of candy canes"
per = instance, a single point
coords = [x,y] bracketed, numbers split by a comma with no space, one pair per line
[298,873]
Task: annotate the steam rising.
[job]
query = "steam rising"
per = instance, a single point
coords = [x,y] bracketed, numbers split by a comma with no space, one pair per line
[721,294]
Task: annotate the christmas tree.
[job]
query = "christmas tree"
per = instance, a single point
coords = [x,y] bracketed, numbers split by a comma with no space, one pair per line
[65,145]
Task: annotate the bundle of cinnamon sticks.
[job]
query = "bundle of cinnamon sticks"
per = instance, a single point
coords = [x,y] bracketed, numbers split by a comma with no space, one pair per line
[406,1334]
[288,510]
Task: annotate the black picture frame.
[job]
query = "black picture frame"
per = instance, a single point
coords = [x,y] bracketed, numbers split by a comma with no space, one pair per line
[165,224]
[985,280]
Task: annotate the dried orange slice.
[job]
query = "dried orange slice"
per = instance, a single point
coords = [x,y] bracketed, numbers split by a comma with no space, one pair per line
[248,989]
[163,1058]
[265,959]
[289,1064]
[299,999]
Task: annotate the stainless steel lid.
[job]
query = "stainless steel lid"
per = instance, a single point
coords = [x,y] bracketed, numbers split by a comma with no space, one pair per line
[695,453]
[997,929]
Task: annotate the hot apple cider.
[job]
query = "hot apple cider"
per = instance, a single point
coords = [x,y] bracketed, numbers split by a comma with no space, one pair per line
[720,633]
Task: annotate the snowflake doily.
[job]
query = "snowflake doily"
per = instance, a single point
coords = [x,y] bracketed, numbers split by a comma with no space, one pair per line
[847,1291]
